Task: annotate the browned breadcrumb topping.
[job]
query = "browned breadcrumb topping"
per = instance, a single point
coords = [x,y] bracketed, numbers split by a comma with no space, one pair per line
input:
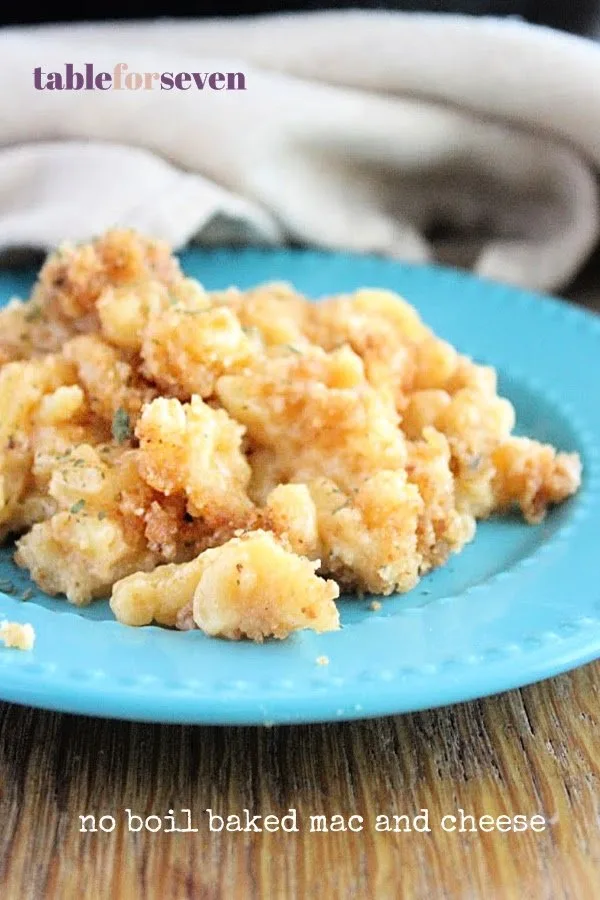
[229,460]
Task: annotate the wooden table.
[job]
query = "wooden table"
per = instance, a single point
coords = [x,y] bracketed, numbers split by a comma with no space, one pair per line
[530,752]
[533,751]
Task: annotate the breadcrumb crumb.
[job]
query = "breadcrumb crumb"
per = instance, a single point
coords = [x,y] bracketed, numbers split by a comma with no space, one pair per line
[21,637]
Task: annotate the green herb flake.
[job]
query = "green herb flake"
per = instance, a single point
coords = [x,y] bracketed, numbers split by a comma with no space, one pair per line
[340,508]
[102,515]
[33,314]
[475,463]
[121,426]
[195,312]
[77,507]
[27,594]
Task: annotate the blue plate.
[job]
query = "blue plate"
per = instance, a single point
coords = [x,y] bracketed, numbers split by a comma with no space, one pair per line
[521,603]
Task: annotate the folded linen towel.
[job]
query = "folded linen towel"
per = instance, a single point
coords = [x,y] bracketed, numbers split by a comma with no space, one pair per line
[382,132]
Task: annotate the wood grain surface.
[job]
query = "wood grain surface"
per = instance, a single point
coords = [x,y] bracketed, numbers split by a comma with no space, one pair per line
[533,751]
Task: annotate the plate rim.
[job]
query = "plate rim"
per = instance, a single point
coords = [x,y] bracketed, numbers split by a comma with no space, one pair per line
[36,684]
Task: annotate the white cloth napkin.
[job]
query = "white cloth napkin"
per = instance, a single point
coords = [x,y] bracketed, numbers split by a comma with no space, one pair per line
[369,131]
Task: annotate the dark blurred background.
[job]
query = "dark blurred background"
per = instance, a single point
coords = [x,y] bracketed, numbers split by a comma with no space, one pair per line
[579,16]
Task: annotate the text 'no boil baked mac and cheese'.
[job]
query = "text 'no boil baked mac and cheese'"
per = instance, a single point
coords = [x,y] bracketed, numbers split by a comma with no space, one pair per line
[229,460]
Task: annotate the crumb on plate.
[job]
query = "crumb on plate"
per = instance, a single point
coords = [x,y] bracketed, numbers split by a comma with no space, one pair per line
[13,634]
